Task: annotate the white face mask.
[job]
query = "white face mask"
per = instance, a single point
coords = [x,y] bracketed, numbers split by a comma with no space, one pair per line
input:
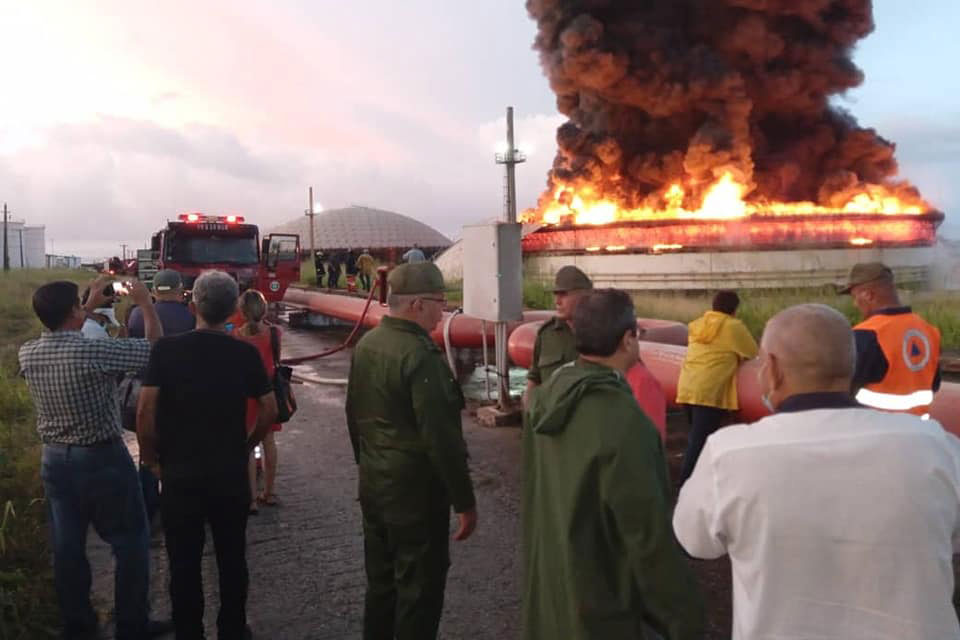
[765,399]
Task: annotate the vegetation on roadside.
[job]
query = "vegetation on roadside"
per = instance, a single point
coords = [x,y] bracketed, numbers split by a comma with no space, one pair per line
[942,309]
[27,601]
[308,273]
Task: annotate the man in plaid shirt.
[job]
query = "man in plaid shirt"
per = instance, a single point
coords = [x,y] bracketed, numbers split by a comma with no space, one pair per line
[87,472]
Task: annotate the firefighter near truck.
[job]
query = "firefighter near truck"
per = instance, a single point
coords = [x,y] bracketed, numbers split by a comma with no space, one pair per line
[196,242]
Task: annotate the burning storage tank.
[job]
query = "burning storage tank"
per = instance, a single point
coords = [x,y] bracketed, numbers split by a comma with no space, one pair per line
[702,149]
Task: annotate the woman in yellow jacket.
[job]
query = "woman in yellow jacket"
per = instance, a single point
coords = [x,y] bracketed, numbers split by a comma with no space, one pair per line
[717,344]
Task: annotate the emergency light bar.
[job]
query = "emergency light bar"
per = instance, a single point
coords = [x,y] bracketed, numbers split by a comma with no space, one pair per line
[199,217]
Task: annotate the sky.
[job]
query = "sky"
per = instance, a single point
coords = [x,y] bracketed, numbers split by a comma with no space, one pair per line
[116,115]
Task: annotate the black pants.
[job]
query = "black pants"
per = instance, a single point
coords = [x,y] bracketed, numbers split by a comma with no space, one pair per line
[186,508]
[703,422]
[365,281]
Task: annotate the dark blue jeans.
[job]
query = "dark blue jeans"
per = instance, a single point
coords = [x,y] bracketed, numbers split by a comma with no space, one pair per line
[97,485]
[703,422]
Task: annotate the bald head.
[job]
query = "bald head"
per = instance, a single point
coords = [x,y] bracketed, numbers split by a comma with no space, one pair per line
[813,347]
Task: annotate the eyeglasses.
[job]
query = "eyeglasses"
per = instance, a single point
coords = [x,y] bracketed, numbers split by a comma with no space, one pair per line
[440,300]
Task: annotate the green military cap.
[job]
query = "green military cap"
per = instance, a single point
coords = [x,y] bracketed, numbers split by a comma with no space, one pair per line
[865,272]
[570,278]
[415,277]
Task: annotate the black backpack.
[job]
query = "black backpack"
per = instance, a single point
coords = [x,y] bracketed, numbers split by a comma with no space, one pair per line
[286,403]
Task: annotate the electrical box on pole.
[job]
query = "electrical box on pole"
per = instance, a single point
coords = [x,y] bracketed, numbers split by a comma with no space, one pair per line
[493,272]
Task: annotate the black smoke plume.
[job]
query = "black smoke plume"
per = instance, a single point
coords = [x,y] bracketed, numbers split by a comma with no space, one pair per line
[664,91]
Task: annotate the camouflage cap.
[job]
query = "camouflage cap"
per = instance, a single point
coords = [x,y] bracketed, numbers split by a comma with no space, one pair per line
[865,272]
[570,278]
[415,277]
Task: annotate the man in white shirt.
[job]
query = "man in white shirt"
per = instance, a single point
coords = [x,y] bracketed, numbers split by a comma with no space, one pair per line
[840,521]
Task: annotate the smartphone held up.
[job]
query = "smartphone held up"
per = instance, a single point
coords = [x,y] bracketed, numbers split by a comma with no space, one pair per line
[116,288]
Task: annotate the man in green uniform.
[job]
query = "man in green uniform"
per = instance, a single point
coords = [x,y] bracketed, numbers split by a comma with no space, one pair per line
[403,414]
[600,558]
[554,346]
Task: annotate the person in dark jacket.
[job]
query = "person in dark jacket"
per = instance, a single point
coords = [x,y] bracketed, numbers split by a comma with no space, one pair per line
[599,555]
[403,415]
[175,318]
[333,270]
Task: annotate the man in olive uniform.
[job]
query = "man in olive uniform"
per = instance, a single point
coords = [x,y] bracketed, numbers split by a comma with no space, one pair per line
[554,346]
[600,559]
[403,414]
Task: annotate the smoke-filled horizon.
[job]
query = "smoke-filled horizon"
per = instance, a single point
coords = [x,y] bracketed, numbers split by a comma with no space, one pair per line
[682,91]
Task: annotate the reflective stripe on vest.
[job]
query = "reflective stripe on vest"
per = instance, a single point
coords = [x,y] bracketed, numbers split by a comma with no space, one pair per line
[911,348]
[895,401]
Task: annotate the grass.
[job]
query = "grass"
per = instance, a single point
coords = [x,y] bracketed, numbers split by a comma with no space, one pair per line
[940,309]
[27,600]
[535,294]
[308,273]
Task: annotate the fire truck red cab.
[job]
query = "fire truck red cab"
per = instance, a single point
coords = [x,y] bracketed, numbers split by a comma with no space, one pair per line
[196,242]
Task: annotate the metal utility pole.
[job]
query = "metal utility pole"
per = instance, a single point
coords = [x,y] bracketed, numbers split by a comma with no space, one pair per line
[6,243]
[510,159]
[311,213]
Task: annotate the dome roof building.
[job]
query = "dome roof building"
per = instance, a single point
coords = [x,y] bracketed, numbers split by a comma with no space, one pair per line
[357,227]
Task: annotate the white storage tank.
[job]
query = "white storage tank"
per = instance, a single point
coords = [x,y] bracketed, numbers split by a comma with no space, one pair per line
[26,244]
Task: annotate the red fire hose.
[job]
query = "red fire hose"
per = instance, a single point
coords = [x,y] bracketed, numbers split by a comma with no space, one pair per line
[346,343]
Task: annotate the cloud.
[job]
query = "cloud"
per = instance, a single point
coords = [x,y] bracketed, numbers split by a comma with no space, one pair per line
[116,180]
[196,146]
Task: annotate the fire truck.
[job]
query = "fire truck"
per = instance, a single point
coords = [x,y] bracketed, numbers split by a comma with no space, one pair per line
[196,242]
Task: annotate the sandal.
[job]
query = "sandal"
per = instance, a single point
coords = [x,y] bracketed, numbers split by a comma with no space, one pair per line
[268,499]
[254,510]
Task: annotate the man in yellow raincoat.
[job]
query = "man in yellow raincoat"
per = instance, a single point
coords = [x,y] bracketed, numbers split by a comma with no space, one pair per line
[717,344]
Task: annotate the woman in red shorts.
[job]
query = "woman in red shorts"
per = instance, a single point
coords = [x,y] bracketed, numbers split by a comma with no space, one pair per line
[253,306]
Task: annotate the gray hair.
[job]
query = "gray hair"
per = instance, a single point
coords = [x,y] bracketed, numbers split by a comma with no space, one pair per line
[400,301]
[215,296]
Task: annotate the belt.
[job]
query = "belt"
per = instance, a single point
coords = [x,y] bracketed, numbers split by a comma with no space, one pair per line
[102,443]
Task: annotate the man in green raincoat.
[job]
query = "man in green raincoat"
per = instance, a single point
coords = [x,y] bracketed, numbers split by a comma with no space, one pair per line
[554,346]
[403,414]
[600,558]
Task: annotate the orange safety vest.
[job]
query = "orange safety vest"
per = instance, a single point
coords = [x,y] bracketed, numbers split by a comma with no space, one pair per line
[912,349]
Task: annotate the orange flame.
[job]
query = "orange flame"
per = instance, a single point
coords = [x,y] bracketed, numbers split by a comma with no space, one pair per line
[723,200]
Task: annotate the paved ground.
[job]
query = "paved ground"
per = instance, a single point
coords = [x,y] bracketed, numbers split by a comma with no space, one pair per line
[305,556]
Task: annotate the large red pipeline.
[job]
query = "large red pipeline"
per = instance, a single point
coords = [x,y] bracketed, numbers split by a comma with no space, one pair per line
[664,361]
[466,332]
[662,349]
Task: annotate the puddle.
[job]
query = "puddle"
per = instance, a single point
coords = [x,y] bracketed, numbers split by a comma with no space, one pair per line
[474,387]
